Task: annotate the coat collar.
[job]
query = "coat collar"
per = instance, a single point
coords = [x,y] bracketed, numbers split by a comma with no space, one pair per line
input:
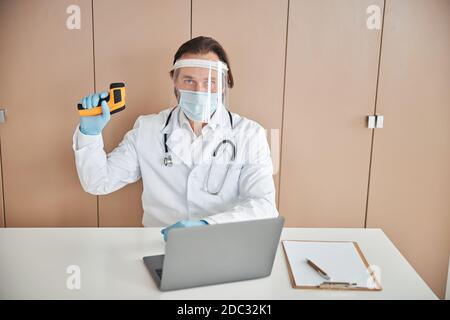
[220,119]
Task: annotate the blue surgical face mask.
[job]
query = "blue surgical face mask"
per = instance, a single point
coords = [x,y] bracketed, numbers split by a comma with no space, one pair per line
[192,103]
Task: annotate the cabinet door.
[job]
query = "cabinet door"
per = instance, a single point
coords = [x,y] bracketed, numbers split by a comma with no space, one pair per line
[410,175]
[135,42]
[331,74]
[253,33]
[45,69]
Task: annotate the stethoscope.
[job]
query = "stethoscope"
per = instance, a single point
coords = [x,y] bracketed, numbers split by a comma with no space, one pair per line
[168,162]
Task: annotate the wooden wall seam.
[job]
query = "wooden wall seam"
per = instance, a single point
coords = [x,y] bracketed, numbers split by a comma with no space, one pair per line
[190,22]
[3,187]
[95,90]
[374,112]
[282,104]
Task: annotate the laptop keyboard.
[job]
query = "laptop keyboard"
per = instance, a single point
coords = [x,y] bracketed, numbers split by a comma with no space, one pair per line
[159,273]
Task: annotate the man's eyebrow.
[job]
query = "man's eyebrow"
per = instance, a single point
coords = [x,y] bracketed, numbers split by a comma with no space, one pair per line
[186,76]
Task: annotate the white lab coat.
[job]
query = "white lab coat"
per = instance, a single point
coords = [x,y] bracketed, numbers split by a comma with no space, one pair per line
[179,192]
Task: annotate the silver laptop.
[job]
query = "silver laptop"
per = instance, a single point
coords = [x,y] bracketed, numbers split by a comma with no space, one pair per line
[217,253]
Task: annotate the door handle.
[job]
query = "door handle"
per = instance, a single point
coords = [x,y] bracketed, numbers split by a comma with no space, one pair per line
[376,121]
[2,115]
[371,122]
[380,121]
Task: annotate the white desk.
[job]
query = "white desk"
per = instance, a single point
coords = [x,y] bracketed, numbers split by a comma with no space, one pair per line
[33,264]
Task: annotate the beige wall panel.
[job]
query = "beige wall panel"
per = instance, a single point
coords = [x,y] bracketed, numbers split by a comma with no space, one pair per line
[332,62]
[254,35]
[2,212]
[135,42]
[410,176]
[45,69]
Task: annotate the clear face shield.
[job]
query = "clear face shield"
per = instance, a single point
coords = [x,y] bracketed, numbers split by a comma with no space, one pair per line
[201,87]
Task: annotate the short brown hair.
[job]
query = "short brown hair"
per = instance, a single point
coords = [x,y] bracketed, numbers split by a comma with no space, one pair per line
[205,45]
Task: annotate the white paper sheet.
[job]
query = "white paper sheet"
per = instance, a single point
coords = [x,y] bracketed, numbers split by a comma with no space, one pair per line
[340,260]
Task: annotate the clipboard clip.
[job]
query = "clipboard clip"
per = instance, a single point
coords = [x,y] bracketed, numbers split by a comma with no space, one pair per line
[337,285]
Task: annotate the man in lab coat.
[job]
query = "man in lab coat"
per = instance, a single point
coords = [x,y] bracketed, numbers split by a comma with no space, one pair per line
[199,163]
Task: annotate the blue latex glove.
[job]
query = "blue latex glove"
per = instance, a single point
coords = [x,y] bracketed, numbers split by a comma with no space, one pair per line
[183,224]
[93,125]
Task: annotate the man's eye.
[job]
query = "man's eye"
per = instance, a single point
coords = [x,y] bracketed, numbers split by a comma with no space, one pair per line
[188,81]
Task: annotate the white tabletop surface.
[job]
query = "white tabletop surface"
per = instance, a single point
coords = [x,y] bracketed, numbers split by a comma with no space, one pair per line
[34,262]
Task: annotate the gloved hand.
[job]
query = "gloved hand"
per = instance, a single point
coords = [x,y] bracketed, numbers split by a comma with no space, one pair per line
[93,125]
[183,224]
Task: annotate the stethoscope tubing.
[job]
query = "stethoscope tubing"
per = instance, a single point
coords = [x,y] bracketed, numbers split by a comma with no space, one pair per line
[168,158]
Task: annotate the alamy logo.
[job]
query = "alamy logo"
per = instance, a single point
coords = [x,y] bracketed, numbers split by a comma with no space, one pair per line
[374,272]
[73,21]
[74,280]
[373,21]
